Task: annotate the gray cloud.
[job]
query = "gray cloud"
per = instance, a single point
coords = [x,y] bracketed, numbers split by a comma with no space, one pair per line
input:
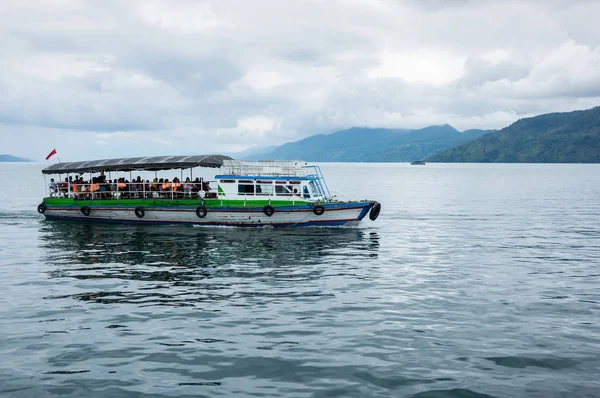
[155,76]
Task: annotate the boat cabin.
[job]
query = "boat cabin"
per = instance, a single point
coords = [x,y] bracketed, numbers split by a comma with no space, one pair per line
[275,180]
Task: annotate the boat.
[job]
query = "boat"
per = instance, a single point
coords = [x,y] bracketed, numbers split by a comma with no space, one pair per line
[417,163]
[242,193]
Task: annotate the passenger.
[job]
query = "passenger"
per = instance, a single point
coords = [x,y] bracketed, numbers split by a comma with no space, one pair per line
[121,187]
[94,188]
[154,186]
[188,186]
[166,186]
[69,185]
[76,188]
[102,185]
[84,189]
[53,188]
[176,185]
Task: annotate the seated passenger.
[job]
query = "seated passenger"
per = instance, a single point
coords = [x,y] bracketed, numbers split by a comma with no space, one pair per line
[166,187]
[197,185]
[188,186]
[122,187]
[63,187]
[176,185]
[75,188]
[94,188]
[53,188]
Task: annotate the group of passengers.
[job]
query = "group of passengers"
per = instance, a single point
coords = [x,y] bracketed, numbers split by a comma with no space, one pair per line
[121,188]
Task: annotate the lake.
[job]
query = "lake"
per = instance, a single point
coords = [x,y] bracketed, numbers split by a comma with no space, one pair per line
[477,280]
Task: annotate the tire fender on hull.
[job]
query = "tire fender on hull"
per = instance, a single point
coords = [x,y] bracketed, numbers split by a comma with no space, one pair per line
[140,212]
[268,210]
[374,213]
[201,211]
[318,210]
[85,211]
[41,208]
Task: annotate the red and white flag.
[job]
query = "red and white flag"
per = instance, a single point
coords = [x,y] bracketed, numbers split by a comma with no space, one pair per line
[51,154]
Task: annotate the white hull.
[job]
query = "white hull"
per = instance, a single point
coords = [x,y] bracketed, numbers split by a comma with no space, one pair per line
[222,216]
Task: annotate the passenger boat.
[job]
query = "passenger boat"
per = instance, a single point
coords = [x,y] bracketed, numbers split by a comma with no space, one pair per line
[264,193]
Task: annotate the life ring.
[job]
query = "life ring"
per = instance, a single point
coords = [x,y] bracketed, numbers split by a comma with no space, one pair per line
[85,211]
[268,210]
[41,208]
[374,213]
[201,211]
[318,210]
[139,212]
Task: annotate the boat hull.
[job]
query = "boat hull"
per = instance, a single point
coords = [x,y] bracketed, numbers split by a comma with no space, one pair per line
[334,214]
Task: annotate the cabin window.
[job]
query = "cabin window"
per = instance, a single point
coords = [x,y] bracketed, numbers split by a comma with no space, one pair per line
[281,182]
[245,181]
[264,189]
[295,182]
[306,194]
[245,189]
[283,190]
[227,181]
[313,189]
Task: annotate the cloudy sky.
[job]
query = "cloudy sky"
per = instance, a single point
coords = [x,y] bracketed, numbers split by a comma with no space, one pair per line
[117,78]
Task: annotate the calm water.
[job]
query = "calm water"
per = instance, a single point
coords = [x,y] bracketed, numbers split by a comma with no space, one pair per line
[475,281]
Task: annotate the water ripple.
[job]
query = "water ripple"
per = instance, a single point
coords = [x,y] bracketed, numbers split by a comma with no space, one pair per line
[476,281]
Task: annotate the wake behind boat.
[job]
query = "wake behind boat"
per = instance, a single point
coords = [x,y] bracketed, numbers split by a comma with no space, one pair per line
[264,193]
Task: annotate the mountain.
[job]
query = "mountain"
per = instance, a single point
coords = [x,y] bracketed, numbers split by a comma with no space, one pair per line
[10,158]
[252,152]
[571,137]
[360,144]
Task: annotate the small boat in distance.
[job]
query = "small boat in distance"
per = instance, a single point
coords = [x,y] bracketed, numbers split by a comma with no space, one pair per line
[417,163]
[263,193]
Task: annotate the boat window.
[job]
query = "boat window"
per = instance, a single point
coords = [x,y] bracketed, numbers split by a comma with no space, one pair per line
[305,192]
[313,189]
[227,181]
[295,182]
[283,190]
[263,189]
[245,181]
[245,189]
[264,182]
[281,182]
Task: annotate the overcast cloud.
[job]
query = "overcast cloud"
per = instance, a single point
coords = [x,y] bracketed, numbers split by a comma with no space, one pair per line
[117,78]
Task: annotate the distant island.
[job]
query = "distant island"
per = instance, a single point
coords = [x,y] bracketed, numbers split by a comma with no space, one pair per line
[10,158]
[361,144]
[571,137]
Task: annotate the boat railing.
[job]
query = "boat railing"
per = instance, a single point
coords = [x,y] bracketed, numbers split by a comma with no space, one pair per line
[132,190]
[335,195]
[315,174]
[263,168]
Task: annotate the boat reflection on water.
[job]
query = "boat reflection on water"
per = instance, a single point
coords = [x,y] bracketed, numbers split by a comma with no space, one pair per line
[180,265]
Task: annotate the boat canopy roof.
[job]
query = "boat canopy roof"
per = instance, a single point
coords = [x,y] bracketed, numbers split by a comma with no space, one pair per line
[145,163]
